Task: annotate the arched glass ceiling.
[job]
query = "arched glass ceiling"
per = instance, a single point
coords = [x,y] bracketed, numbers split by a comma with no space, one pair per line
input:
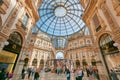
[60,17]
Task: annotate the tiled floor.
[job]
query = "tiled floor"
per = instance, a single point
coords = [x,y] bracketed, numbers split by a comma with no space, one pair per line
[50,76]
[53,76]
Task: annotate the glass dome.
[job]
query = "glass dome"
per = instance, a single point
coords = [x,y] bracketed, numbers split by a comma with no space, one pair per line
[60,17]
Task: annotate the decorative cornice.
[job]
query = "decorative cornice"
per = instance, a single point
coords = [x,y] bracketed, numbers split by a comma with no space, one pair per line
[4,6]
[33,8]
[89,9]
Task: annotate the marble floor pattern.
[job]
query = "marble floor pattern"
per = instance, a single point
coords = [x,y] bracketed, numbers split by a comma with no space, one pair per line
[54,76]
[49,76]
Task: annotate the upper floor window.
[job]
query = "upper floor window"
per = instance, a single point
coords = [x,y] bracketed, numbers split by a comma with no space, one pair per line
[96,23]
[25,19]
[24,22]
[96,20]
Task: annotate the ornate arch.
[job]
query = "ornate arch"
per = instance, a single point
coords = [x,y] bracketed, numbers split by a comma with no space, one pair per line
[18,31]
[106,44]
[77,63]
[34,62]
[41,62]
[108,32]
[93,62]
[84,62]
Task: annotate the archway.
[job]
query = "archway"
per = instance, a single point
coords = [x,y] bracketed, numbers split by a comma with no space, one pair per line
[41,64]
[77,63]
[59,55]
[84,63]
[93,62]
[34,62]
[10,52]
[26,61]
[108,51]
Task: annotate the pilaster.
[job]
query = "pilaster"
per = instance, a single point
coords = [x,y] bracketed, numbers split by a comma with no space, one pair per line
[112,23]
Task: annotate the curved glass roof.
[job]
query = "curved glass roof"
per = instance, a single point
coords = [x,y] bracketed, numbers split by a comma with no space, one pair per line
[60,17]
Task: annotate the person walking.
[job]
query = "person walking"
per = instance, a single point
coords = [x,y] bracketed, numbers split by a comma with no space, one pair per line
[113,75]
[76,74]
[36,76]
[3,74]
[10,75]
[80,74]
[68,74]
[32,70]
[95,73]
[29,72]
[23,73]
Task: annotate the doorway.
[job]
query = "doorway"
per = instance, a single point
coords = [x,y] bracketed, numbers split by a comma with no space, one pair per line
[59,55]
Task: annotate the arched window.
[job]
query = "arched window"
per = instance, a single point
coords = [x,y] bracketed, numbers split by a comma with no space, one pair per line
[34,62]
[77,63]
[84,62]
[26,60]
[16,38]
[42,62]
[93,62]
[106,44]
[59,55]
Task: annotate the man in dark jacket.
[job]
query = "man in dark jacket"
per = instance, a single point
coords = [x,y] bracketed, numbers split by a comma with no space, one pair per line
[36,76]
[3,74]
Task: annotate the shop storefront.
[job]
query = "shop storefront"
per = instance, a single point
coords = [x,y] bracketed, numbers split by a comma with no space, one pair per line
[110,53]
[10,53]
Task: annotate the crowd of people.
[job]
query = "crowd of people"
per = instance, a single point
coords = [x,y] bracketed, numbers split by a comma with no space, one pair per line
[4,74]
[80,73]
[31,72]
[90,73]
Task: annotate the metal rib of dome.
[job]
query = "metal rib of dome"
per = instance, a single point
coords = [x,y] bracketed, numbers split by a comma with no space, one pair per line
[60,17]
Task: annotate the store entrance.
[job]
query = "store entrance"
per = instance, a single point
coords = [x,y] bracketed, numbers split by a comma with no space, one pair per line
[110,53]
[10,53]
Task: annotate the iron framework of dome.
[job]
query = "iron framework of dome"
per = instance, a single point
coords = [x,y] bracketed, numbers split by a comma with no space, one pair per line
[60,17]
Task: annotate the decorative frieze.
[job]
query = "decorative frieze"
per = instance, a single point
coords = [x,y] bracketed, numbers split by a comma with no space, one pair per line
[11,19]
[4,4]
